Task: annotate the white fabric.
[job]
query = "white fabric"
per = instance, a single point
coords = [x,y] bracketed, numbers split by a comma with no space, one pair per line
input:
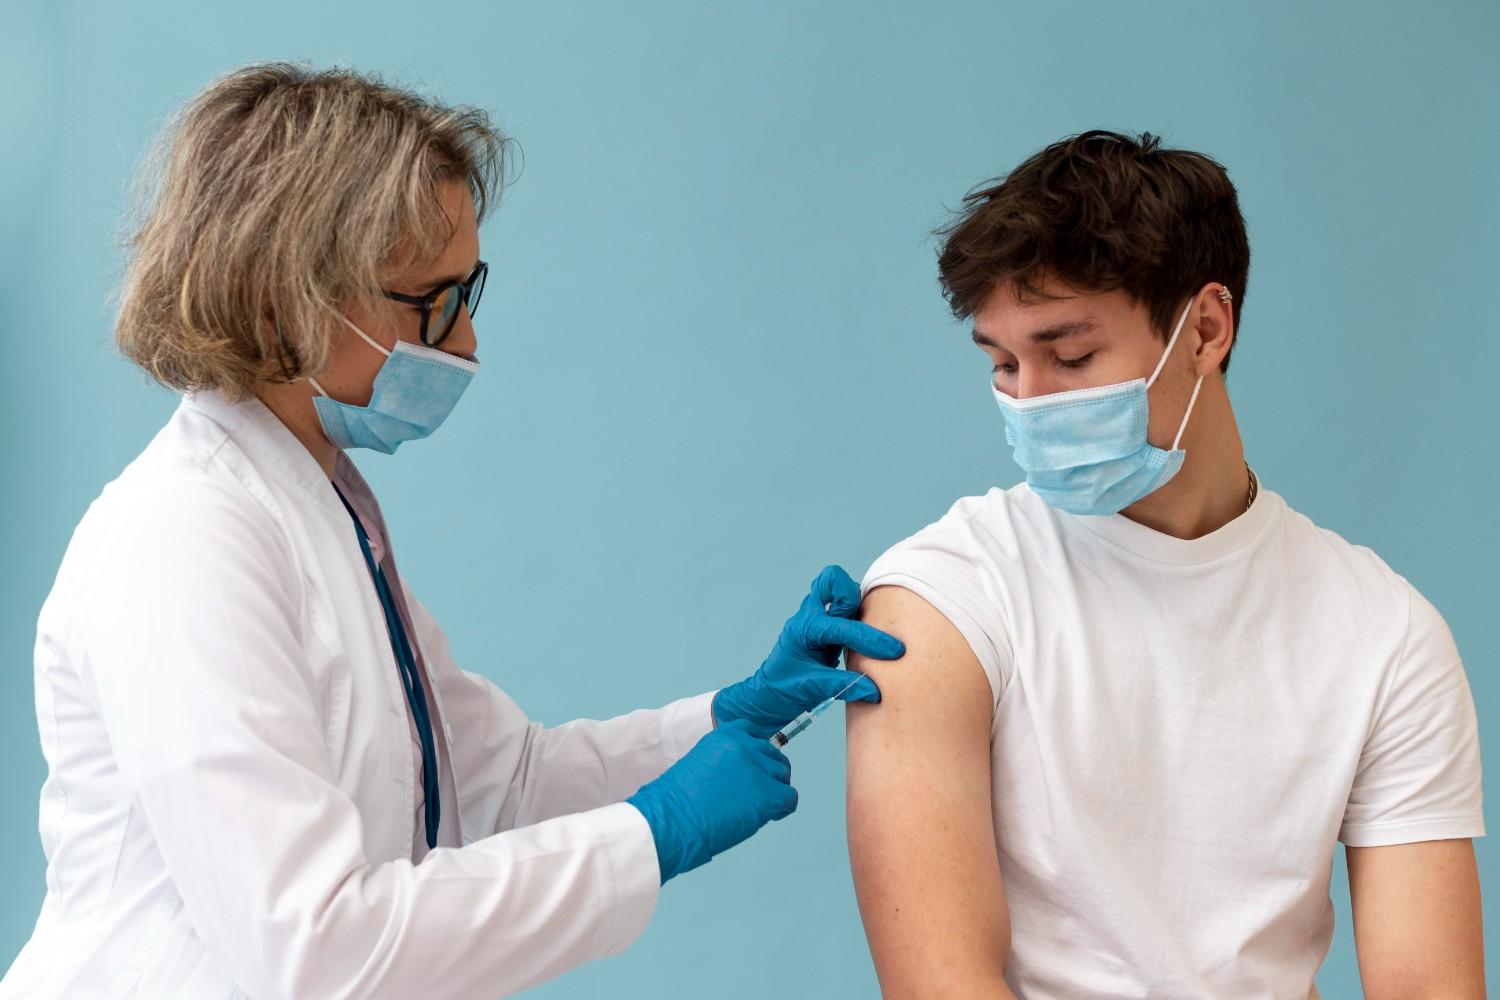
[229,804]
[1183,730]
[349,482]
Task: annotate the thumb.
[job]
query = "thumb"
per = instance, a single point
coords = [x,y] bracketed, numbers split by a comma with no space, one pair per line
[733,728]
[828,682]
[863,689]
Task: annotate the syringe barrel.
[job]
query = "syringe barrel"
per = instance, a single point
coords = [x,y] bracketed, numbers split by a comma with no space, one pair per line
[791,729]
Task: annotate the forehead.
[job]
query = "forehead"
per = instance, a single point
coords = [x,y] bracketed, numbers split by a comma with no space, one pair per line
[458,254]
[1011,315]
[458,207]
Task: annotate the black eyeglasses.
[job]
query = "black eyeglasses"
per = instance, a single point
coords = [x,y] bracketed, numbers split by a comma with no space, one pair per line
[440,306]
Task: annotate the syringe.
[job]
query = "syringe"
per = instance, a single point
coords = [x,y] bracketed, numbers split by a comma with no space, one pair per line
[801,722]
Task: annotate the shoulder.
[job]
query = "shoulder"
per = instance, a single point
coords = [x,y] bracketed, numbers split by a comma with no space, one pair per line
[176,506]
[977,532]
[1346,574]
[958,568]
[1358,592]
[180,500]
[973,556]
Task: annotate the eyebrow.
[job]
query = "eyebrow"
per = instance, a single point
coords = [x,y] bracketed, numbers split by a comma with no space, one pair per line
[1046,334]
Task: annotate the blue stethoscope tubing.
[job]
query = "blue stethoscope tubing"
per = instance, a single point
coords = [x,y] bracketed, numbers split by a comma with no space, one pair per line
[416,698]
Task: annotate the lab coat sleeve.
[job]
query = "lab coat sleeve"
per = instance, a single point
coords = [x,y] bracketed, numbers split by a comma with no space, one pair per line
[190,637]
[512,772]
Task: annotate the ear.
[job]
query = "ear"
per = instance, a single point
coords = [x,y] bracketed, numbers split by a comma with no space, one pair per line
[1214,318]
[277,354]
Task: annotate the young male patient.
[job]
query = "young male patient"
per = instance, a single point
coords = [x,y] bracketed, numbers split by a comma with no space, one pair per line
[1142,697]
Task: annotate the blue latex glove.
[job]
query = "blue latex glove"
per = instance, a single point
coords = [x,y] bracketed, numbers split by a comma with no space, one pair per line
[730,784]
[799,672]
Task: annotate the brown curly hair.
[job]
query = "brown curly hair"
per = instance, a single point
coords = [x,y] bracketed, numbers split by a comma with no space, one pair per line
[1101,211]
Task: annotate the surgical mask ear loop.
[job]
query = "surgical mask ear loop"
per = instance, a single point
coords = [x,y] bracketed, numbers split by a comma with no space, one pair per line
[366,337]
[1191,400]
[363,336]
[1182,427]
[1162,361]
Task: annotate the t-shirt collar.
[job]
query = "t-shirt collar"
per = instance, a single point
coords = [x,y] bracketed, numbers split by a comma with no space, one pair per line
[1148,543]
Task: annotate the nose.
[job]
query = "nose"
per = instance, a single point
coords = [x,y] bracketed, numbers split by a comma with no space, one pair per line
[1029,383]
[461,340]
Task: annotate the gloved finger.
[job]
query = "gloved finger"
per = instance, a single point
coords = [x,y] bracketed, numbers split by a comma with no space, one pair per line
[776,752]
[782,800]
[777,768]
[781,763]
[766,758]
[819,595]
[735,728]
[837,591]
[858,636]
[818,683]
[743,734]
[864,689]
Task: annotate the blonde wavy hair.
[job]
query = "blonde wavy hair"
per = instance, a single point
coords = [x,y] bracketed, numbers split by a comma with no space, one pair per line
[277,196]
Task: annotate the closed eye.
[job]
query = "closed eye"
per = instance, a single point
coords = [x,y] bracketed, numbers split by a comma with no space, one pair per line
[1077,362]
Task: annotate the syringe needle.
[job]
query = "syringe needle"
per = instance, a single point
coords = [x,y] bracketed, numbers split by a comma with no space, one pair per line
[801,722]
[841,690]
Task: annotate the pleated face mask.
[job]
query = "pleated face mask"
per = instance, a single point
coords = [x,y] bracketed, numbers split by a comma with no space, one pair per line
[1085,451]
[414,391]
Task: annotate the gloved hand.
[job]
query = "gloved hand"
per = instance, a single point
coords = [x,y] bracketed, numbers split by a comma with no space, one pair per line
[730,784]
[799,672]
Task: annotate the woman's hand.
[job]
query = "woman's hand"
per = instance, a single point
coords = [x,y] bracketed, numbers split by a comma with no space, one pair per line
[730,784]
[802,669]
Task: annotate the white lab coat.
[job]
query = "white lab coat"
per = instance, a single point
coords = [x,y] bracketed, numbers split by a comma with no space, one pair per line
[229,804]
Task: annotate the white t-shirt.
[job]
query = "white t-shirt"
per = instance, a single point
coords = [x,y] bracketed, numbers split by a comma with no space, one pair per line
[1183,729]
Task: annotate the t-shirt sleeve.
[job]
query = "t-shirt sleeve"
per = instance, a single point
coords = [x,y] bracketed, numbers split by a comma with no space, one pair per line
[1419,772]
[944,565]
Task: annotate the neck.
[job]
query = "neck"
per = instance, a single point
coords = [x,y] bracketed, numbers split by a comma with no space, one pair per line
[292,405]
[1211,488]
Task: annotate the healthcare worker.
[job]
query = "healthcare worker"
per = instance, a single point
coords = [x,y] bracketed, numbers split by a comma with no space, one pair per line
[266,775]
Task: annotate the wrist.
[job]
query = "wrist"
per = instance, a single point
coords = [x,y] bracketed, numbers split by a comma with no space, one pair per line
[751,700]
[730,704]
[678,846]
[637,803]
[649,806]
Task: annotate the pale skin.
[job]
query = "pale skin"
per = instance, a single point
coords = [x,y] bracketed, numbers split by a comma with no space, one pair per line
[919,762]
[350,373]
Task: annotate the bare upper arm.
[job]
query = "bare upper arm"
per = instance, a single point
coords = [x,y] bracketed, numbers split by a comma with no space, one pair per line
[1417,919]
[921,831]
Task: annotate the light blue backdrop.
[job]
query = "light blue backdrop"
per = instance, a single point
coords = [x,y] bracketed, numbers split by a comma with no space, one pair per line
[715,356]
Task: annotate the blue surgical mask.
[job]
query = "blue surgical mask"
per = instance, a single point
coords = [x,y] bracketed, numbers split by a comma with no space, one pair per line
[414,391]
[1086,451]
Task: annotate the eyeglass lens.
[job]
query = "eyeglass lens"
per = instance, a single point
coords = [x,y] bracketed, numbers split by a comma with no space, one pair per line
[445,307]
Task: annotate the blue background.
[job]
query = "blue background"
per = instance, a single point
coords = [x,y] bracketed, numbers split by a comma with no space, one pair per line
[715,356]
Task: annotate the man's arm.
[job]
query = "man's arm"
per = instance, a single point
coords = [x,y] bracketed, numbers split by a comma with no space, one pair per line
[1417,920]
[921,833]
